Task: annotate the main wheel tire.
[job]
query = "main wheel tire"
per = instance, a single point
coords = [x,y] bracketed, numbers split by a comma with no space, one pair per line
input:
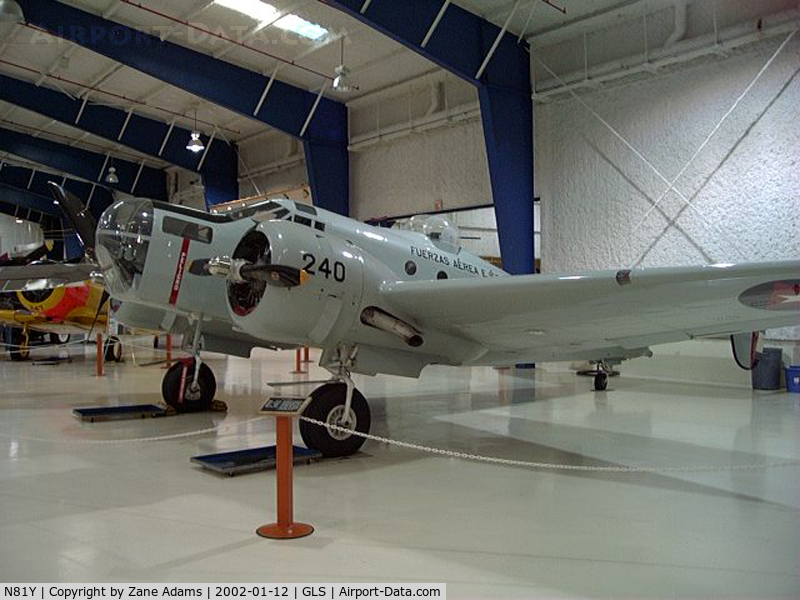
[327,405]
[171,387]
[20,349]
[112,349]
[600,382]
[59,338]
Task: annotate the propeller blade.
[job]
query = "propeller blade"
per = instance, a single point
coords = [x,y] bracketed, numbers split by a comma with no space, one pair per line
[199,267]
[79,216]
[240,271]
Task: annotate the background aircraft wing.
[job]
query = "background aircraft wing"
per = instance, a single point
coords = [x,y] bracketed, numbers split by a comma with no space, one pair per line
[43,276]
[603,314]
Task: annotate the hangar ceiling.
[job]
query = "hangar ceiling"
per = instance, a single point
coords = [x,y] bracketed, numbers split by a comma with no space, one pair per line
[377,62]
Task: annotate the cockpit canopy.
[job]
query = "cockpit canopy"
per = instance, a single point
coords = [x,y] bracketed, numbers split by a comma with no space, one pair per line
[123,239]
[439,230]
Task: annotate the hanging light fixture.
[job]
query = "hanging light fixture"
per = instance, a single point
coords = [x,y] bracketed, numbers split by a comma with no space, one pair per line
[340,82]
[112,176]
[195,143]
[11,11]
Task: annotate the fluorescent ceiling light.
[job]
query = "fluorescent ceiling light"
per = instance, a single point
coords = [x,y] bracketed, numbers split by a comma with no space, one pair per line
[255,9]
[266,14]
[300,26]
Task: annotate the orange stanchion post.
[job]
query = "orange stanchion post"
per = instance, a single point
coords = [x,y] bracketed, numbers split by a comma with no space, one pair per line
[100,355]
[306,354]
[169,351]
[298,363]
[285,528]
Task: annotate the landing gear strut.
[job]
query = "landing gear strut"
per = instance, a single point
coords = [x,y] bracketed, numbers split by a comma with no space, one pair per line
[189,385]
[339,404]
[186,392]
[20,348]
[602,370]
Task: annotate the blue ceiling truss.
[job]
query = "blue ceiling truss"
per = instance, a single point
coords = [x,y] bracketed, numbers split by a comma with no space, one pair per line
[460,42]
[164,141]
[34,184]
[28,205]
[134,178]
[319,122]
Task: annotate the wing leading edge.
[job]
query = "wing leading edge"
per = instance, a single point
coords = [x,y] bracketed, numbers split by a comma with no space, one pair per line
[601,314]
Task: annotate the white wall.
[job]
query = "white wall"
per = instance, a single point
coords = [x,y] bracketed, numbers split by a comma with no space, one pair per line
[433,170]
[745,185]
[13,234]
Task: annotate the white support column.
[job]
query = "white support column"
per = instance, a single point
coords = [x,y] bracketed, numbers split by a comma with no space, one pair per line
[208,147]
[365,6]
[267,88]
[496,43]
[136,179]
[166,137]
[435,23]
[313,109]
[83,107]
[91,195]
[103,168]
[30,181]
[125,124]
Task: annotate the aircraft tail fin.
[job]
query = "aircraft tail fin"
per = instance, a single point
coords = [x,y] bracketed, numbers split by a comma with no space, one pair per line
[79,216]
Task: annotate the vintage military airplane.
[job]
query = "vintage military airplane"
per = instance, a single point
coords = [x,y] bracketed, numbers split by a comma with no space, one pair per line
[280,274]
[57,311]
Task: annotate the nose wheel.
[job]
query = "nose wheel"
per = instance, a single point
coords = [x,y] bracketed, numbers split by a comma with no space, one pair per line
[183,393]
[328,405]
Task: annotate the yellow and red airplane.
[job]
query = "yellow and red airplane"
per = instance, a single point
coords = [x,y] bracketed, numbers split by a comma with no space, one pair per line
[59,312]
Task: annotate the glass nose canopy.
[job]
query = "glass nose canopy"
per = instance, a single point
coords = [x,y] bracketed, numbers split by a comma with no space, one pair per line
[123,239]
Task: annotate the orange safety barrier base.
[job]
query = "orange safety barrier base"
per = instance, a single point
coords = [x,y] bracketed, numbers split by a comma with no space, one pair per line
[285,528]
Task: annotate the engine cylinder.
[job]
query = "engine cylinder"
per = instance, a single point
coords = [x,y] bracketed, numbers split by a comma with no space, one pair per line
[324,304]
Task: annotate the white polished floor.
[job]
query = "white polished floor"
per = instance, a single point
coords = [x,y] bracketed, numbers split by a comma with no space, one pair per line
[81,502]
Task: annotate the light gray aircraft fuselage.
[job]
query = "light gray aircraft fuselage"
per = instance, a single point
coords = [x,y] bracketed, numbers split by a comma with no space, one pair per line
[347,262]
[278,274]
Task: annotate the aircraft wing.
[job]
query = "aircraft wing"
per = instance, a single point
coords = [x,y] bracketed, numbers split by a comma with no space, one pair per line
[16,318]
[601,314]
[43,276]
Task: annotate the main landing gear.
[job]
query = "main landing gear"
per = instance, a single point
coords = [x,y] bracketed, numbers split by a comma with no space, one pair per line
[189,385]
[19,348]
[601,372]
[341,407]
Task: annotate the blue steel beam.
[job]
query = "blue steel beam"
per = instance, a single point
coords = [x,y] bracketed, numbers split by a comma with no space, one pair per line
[460,43]
[285,108]
[219,168]
[27,200]
[36,183]
[84,164]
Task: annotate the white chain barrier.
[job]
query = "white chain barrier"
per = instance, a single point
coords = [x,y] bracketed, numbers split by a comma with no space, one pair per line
[159,438]
[554,466]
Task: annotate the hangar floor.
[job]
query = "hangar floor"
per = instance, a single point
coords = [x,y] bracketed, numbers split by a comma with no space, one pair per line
[138,511]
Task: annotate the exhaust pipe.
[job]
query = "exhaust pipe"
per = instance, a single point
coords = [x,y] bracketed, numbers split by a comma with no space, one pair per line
[375,317]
